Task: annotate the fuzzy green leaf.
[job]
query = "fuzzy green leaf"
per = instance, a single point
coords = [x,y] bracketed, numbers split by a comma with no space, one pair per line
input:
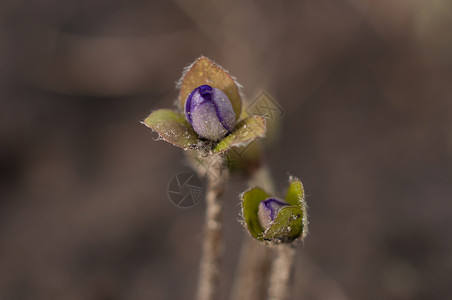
[173,128]
[295,192]
[250,206]
[287,226]
[245,132]
[204,71]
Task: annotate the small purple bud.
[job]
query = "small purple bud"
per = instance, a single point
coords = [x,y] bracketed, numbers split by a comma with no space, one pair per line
[210,112]
[268,209]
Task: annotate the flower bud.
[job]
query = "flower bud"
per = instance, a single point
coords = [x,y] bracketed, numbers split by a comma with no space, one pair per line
[210,113]
[267,211]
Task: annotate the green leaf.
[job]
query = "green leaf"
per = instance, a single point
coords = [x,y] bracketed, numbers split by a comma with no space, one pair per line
[245,132]
[250,206]
[287,226]
[173,128]
[204,71]
[295,192]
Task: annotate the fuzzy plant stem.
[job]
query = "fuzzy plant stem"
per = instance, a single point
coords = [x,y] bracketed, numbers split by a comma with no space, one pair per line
[250,281]
[212,247]
[281,272]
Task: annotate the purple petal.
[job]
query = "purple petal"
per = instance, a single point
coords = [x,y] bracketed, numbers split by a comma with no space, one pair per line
[268,209]
[210,112]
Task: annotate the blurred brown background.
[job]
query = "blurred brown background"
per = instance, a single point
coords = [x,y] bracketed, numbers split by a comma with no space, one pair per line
[366,89]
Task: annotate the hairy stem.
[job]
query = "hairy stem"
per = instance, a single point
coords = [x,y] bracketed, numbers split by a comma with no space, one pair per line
[253,269]
[212,248]
[255,258]
[281,273]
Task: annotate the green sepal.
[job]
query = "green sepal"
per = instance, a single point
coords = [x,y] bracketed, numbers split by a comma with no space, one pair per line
[295,192]
[205,71]
[173,128]
[250,206]
[287,226]
[245,132]
[295,196]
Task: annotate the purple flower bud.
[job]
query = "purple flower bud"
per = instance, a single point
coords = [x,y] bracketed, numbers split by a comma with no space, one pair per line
[267,211]
[210,112]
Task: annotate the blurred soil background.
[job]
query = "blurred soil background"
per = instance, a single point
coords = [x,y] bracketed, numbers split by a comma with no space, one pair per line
[366,91]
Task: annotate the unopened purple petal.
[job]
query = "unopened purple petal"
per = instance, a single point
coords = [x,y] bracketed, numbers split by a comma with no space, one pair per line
[268,209]
[224,109]
[210,112]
